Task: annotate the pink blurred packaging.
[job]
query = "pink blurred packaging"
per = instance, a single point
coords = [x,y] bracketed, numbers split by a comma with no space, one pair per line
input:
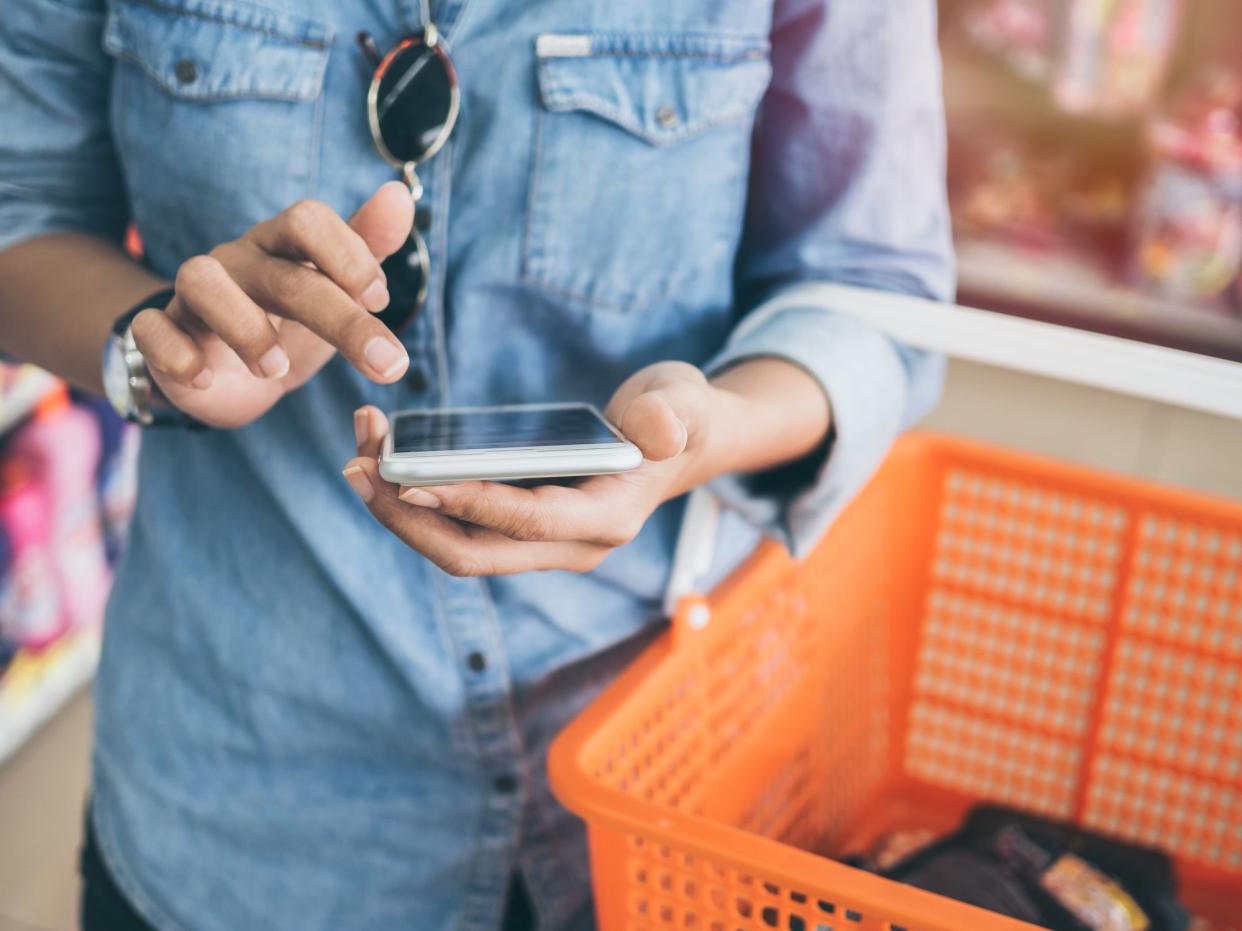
[31,610]
[61,447]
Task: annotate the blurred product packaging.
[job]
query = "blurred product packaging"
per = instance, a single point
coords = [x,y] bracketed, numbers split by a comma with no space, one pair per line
[1098,56]
[67,489]
[1114,53]
[1188,235]
[32,612]
[60,449]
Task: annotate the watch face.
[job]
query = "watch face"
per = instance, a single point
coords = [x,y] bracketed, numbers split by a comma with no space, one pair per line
[116,377]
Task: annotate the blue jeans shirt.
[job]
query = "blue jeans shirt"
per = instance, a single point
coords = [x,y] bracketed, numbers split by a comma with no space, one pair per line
[293,729]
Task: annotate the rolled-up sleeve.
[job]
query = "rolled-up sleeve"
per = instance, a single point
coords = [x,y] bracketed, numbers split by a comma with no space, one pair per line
[58,166]
[847,188]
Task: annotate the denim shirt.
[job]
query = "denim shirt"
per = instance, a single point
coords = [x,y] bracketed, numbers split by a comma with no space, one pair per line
[302,723]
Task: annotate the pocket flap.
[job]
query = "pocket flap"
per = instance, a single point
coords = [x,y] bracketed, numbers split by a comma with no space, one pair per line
[658,87]
[217,50]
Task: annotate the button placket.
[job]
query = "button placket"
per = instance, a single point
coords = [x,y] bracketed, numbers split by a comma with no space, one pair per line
[474,630]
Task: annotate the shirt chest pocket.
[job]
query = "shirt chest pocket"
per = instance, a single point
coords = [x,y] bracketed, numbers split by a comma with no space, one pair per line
[215,112]
[640,165]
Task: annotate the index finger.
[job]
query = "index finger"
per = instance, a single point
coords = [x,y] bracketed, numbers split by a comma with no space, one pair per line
[313,232]
[603,513]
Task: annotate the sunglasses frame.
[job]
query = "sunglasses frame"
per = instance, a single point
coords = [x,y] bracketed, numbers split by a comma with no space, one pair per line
[424,261]
[430,38]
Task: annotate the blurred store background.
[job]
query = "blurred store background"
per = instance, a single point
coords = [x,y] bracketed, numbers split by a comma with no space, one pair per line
[1096,181]
[1096,164]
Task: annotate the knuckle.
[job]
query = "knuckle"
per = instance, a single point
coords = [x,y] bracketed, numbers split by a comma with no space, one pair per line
[472,513]
[145,327]
[183,365]
[529,527]
[179,361]
[356,272]
[305,217]
[296,283]
[517,524]
[196,273]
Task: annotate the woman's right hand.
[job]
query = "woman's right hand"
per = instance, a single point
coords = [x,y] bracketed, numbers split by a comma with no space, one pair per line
[255,318]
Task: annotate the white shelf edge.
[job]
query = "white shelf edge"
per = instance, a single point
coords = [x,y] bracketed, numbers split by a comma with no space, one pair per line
[62,681]
[1143,370]
[1070,286]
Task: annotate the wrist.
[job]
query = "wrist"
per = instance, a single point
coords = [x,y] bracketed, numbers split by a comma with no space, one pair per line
[770,412]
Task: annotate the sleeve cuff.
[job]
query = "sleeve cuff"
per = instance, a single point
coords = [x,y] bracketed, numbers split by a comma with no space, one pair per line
[875,386]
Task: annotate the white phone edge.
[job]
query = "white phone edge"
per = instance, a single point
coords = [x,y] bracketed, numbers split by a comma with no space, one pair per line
[510,464]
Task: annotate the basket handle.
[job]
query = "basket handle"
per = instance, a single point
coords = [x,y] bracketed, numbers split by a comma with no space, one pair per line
[696,545]
[1157,373]
[1126,366]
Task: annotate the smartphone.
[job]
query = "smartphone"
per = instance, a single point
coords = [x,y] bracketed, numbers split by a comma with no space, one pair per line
[510,443]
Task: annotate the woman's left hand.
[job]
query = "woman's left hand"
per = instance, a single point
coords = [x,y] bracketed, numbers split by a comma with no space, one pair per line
[491,528]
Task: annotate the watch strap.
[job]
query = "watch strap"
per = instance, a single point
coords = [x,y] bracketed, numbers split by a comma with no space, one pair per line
[158,301]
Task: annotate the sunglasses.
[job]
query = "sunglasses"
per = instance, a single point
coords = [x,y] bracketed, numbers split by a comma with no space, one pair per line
[412,108]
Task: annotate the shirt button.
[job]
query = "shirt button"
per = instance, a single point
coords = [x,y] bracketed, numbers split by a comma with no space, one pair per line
[186,71]
[476,661]
[415,379]
[505,784]
[666,116]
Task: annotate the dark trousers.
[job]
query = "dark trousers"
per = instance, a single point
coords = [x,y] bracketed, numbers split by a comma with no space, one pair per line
[104,908]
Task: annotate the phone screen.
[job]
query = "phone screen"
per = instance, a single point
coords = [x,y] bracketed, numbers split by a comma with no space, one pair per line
[515,428]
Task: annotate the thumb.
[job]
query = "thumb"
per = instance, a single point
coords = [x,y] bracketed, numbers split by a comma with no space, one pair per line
[658,420]
[385,220]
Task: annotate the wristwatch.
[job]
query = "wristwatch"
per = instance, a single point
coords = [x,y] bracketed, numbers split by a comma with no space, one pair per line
[127,382]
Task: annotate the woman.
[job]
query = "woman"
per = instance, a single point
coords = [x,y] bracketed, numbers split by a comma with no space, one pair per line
[312,716]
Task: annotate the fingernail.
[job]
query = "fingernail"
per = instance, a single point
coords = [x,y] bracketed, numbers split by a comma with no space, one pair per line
[420,498]
[358,481]
[375,297]
[360,427]
[274,363]
[202,380]
[385,356]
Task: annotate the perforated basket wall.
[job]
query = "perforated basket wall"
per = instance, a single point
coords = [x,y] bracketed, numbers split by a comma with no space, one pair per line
[978,625]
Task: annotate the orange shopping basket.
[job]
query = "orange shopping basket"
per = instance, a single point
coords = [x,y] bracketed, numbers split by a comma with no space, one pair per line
[978,624]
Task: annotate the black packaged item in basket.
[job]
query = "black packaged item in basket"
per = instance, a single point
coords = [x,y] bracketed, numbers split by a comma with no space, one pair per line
[1048,873]
[967,875]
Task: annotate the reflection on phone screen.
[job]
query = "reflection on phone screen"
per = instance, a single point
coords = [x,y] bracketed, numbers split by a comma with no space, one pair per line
[499,429]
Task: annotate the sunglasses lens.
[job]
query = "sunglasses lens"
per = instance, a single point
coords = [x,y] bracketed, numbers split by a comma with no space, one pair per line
[414,100]
[407,282]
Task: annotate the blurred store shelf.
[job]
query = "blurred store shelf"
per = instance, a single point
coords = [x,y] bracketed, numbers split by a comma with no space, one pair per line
[1068,289]
[37,685]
